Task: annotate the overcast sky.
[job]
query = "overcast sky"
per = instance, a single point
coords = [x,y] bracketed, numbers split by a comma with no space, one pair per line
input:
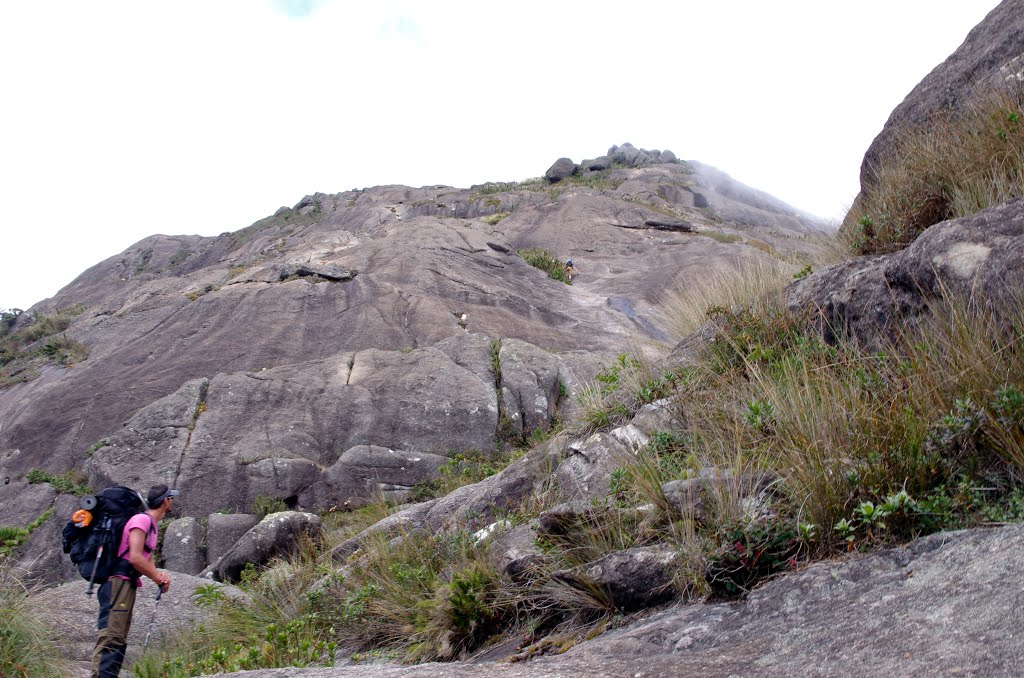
[125,119]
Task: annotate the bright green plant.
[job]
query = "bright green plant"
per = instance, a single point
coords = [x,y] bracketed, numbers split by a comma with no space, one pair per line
[545,261]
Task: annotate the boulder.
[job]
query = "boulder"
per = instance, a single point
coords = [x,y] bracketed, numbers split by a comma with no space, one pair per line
[368,472]
[223,530]
[587,471]
[515,552]
[567,518]
[475,505]
[279,534]
[658,417]
[529,385]
[410,518]
[874,299]
[562,169]
[627,580]
[668,156]
[712,487]
[597,164]
[184,546]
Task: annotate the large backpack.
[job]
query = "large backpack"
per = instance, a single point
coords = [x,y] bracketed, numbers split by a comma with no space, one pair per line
[93,548]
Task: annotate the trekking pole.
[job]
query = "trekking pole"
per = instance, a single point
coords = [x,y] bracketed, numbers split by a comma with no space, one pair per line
[159,592]
[95,566]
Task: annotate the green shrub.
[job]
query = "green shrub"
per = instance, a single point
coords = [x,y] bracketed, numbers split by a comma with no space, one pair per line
[69,482]
[545,261]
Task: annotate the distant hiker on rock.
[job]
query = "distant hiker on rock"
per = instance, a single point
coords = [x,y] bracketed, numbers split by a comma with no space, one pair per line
[570,271]
[117,594]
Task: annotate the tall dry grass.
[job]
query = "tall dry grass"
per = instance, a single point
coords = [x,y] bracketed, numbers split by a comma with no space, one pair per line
[29,644]
[960,163]
[754,283]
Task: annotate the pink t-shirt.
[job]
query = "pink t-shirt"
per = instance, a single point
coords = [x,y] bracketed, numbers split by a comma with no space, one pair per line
[144,522]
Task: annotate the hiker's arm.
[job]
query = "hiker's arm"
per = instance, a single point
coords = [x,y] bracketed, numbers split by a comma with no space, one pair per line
[138,560]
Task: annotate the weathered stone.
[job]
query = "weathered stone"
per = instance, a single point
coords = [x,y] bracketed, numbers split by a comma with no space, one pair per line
[475,505]
[530,384]
[223,530]
[694,496]
[668,156]
[986,57]
[658,417]
[22,502]
[597,164]
[588,470]
[562,169]
[574,516]
[147,450]
[407,520]
[631,579]
[276,535]
[41,559]
[874,299]
[515,552]
[184,546]
[368,472]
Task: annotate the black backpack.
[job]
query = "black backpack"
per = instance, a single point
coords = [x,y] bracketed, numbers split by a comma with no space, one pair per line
[93,548]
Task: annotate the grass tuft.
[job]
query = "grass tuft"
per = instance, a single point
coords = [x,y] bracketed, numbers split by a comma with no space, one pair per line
[960,163]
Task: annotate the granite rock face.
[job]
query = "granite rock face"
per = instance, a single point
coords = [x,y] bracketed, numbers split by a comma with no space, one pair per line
[247,365]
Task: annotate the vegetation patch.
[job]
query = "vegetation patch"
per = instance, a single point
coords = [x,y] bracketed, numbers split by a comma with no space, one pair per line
[29,647]
[40,342]
[493,219]
[958,164]
[545,261]
[70,482]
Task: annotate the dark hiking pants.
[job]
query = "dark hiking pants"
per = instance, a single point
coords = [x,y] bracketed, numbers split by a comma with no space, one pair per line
[117,599]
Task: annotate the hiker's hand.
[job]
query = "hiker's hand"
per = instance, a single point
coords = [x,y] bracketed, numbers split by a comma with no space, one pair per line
[163,581]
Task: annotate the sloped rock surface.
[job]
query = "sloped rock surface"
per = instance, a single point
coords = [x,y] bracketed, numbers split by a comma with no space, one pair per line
[948,604]
[871,299]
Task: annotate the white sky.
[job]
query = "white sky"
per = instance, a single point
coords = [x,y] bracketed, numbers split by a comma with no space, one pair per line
[122,119]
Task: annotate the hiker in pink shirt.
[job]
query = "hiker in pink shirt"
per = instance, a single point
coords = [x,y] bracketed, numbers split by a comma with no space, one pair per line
[117,595]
